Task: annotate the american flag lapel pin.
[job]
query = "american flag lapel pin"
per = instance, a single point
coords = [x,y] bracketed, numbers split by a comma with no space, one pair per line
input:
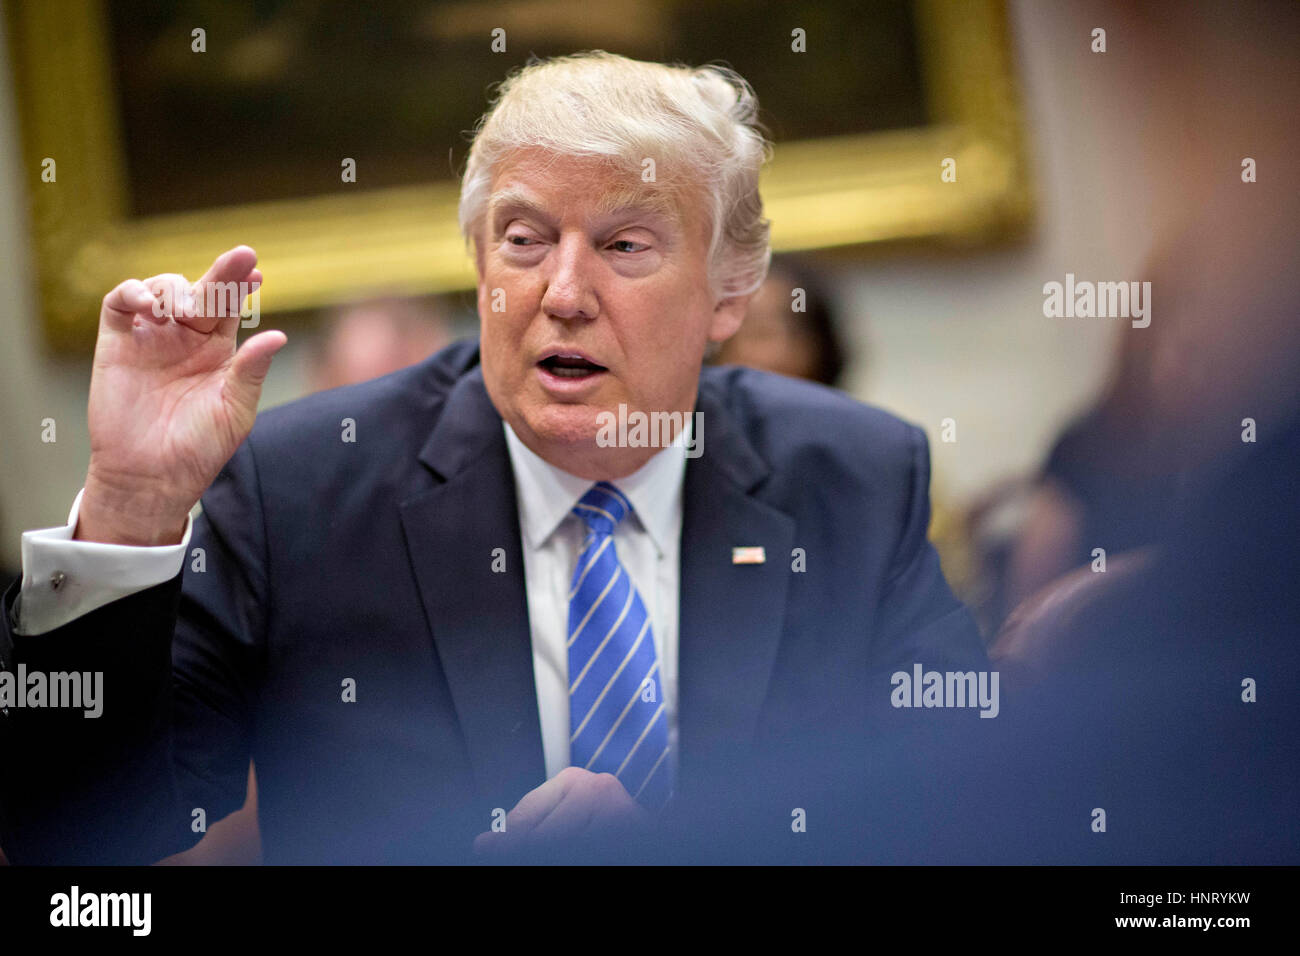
[751,555]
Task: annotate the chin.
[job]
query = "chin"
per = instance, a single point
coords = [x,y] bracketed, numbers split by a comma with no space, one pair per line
[561,424]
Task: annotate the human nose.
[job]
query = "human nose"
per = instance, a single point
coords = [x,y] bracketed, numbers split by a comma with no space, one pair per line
[570,293]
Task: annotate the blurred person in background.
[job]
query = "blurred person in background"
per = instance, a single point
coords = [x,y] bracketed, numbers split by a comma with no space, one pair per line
[364,340]
[790,327]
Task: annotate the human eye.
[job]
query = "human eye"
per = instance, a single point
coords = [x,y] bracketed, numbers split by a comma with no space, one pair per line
[519,238]
[619,244]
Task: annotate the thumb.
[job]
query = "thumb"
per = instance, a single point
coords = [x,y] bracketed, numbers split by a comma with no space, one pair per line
[248,370]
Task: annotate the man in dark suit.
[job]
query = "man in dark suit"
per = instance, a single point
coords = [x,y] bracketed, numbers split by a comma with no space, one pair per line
[457,591]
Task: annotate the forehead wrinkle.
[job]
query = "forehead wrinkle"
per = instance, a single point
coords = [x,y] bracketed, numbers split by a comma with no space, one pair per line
[513,197]
[612,202]
[622,199]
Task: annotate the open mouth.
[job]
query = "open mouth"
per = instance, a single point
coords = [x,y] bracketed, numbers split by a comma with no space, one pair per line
[570,366]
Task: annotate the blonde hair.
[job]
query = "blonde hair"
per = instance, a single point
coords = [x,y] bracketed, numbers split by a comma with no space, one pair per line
[699,124]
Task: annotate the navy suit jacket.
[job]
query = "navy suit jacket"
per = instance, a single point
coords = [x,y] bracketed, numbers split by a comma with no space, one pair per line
[324,560]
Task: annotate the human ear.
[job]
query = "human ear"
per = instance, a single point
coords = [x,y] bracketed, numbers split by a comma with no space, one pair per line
[727,316]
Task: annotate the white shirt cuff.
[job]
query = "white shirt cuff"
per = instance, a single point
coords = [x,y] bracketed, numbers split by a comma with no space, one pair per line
[64,579]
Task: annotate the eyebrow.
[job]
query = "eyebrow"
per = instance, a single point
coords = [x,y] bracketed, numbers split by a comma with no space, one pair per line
[612,203]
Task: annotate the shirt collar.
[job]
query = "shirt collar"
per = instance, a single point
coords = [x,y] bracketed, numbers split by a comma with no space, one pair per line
[547,494]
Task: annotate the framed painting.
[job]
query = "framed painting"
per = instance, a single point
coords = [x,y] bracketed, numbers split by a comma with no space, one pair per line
[157,133]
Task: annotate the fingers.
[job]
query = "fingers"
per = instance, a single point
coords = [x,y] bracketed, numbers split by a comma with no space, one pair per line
[574,804]
[539,802]
[222,289]
[571,817]
[231,266]
[251,364]
[532,808]
[127,300]
[172,298]
[202,306]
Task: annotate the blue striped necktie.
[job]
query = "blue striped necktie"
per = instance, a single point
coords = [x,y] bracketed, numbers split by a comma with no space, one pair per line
[617,719]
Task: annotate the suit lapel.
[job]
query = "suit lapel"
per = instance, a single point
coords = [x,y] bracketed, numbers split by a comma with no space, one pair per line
[478,616]
[732,615]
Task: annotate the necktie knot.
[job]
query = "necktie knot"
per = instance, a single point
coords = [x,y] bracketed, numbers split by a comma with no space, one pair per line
[602,508]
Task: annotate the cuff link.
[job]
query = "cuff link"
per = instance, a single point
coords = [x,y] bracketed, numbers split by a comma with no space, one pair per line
[57,580]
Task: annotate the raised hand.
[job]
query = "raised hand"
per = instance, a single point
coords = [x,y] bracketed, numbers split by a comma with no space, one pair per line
[170,398]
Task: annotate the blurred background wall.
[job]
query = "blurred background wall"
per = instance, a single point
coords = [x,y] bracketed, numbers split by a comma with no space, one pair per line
[928,335]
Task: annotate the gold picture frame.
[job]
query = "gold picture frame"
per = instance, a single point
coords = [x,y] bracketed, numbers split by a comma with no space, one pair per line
[836,192]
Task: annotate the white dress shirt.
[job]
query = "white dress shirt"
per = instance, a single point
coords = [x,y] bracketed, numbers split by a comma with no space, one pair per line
[648,544]
[64,579]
